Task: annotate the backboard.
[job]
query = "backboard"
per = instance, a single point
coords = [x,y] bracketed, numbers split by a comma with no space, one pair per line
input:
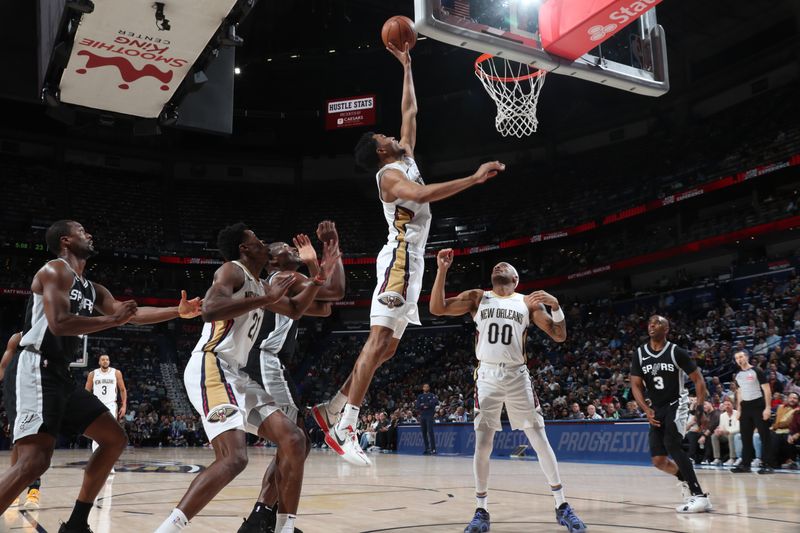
[635,59]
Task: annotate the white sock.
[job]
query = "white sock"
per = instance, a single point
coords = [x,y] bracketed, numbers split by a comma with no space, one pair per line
[558,494]
[284,523]
[336,404]
[349,418]
[174,524]
[482,502]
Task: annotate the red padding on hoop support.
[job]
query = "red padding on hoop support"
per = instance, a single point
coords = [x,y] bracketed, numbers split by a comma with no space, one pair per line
[570,28]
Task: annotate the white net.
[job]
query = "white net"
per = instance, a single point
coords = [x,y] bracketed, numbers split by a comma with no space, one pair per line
[515,88]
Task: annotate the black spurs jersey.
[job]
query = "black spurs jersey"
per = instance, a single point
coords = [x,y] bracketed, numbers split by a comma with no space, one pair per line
[277,336]
[664,373]
[37,337]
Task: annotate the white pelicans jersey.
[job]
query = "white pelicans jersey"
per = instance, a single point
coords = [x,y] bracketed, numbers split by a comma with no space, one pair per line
[502,323]
[409,222]
[105,385]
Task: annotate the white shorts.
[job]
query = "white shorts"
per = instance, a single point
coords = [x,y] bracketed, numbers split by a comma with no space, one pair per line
[277,389]
[223,395]
[394,302]
[498,384]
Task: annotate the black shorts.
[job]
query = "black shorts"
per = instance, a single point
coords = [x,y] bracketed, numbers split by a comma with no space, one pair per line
[44,399]
[673,418]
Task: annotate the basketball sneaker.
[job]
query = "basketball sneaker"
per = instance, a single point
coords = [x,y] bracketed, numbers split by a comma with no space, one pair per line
[326,422]
[479,523]
[567,518]
[716,462]
[729,462]
[255,526]
[696,504]
[32,500]
[69,529]
[347,441]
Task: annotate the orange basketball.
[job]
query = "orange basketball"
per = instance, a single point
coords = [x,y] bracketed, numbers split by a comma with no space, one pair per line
[399,30]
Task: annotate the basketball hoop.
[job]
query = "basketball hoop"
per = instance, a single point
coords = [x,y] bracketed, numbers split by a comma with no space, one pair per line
[515,88]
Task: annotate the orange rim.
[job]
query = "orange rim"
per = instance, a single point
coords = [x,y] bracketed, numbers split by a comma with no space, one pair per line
[485,57]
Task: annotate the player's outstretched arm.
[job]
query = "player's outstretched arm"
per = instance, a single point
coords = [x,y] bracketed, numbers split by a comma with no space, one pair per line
[11,349]
[556,329]
[107,304]
[334,288]
[395,185]
[408,106]
[295,306]
[466,302]
[219,304]
[56,281]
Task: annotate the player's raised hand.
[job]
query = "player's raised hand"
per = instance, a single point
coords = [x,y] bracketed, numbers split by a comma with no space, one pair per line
[403,56]
[279,286]
[541,297]
[330,257]
[326,232]
[488,170]
[306,250]
[189,308]
[444,258]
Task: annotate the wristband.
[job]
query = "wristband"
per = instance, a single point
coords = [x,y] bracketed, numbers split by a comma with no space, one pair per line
[558,316]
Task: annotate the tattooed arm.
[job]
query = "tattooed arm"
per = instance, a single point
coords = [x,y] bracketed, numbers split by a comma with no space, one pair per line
[536,302]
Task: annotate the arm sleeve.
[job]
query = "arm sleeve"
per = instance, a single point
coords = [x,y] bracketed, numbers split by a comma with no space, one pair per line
[684,360]
[762,378]
[636,367]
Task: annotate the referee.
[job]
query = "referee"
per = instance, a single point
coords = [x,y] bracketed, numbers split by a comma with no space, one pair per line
[753,403]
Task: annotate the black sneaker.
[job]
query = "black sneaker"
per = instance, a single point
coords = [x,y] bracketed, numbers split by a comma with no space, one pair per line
[766,470]
[254,526]
[740,469]
[72,529]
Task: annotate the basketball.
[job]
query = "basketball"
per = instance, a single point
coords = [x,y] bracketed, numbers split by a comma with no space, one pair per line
[399,30]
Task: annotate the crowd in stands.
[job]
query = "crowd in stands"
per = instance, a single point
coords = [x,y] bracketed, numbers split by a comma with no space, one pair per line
[176,216]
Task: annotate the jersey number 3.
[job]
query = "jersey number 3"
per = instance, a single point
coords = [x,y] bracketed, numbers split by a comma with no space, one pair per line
[658,382]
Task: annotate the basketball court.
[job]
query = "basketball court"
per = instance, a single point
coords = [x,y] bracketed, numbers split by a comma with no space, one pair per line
[413,494]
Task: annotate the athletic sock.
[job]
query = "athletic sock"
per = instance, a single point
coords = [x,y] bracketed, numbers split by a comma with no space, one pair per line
[558,494]
[482,502]
[336,404]
[80,514]
[175,523]
[349,418]
[285,523]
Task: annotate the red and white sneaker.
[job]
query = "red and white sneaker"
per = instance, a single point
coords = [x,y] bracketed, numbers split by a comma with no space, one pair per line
[347,441]
[326,422]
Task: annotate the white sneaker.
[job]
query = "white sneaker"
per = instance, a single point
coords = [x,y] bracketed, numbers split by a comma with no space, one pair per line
[756,463]
[686,492]
[731,462]
[695,504]
[737,462]
[716,462]
[347,442]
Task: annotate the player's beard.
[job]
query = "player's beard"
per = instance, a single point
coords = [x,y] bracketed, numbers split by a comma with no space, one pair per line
[502,279]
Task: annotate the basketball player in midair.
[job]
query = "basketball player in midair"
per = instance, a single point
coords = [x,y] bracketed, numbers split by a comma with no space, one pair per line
[231,403]
[276,345]
[400,265]
[662,367]
[32,497]
[502,317]
[104,384]
[46,401]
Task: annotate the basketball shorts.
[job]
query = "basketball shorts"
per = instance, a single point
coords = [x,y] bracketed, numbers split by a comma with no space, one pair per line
[44,399]
[673,418]
[510,385]
[223,395]
[278,387]
[394,302]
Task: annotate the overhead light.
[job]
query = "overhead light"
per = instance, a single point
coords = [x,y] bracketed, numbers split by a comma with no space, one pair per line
[331,51]
[237,70]
[269,59]
[294,56]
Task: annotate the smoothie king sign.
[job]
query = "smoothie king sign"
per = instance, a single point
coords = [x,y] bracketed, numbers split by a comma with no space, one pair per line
[125,60]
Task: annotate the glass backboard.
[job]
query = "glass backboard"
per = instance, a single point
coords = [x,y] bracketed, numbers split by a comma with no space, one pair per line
[635,59]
